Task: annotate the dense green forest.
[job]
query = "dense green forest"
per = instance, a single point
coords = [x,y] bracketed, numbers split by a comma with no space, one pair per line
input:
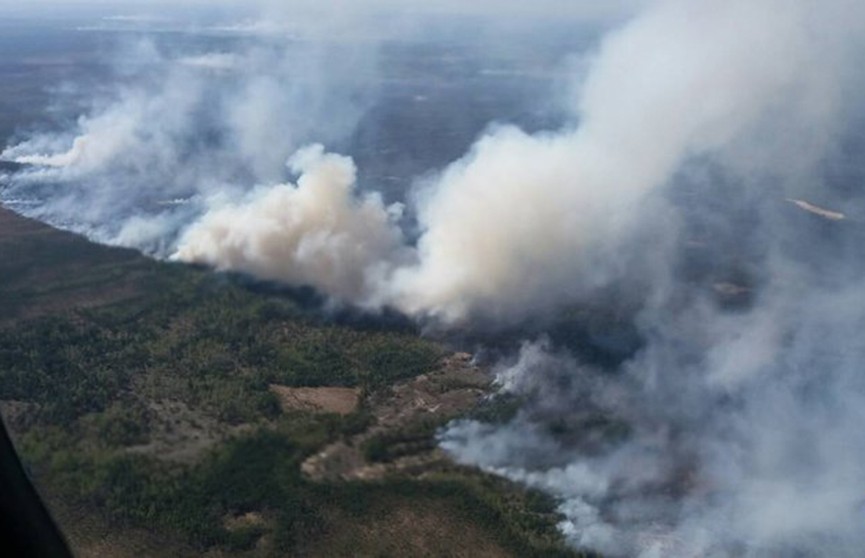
[141,392]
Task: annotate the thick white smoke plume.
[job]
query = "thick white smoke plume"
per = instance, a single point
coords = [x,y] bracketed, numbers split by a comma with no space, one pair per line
[732,425]
[527,221]
[314,233]
[734,430]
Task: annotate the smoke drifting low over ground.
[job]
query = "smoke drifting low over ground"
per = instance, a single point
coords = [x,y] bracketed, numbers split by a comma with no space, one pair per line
[698,190]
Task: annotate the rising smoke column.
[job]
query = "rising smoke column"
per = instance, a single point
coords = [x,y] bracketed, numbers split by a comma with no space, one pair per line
[187,120]
[524,222]
[743,432]
[515,223]
[743,426]
[315,232]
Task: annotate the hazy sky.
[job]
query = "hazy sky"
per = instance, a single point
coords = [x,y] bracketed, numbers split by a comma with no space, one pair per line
[580,9]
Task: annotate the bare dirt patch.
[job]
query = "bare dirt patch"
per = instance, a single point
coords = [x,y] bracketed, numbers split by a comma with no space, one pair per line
[454,388]
[404,414]
[342,401]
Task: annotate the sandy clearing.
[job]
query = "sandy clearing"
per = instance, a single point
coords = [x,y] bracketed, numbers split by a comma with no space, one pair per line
[343,401]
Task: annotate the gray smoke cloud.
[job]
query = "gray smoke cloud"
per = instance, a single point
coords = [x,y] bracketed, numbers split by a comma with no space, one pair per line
[728,434]
[187,120]
[733,427]
[525,222]
[734,430]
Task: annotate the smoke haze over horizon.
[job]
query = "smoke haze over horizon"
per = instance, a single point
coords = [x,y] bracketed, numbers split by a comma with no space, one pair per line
[651,182]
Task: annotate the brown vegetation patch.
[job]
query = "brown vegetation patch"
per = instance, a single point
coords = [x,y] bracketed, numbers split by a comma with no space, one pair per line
[342,401]
[405,415]
[44,270]
[246,520]
[89,535]
[453,389]
[429,528]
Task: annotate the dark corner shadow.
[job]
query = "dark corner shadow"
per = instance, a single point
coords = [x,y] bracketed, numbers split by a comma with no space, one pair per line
[26,527]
